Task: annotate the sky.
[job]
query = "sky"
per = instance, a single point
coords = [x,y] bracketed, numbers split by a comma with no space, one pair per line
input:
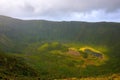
[62,10]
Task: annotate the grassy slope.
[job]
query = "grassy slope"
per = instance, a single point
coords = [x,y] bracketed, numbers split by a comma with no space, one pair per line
[12,66]
[27,37]
[54,63]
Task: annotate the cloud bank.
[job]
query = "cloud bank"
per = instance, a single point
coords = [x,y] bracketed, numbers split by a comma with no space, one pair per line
[77,10]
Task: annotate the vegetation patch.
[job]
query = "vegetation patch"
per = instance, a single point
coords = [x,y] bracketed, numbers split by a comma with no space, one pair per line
[93,56]
[12,66]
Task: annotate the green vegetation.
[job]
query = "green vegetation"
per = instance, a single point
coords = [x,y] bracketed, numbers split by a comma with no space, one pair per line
[12,66]
[58,50]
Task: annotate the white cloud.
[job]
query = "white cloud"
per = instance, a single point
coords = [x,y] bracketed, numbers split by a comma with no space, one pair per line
[97,15]
[86,10]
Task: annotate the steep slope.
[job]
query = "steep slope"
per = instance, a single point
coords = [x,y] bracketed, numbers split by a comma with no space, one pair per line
[53,47]
[30,31]
[12,66]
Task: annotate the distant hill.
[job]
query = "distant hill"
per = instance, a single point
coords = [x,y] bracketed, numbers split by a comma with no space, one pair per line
[20,32]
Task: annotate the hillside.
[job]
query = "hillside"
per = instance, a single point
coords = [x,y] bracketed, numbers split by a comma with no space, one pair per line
[39,30]
[12,67]
[59,50]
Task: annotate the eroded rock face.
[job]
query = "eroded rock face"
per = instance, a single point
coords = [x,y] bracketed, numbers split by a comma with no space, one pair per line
[73,51]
